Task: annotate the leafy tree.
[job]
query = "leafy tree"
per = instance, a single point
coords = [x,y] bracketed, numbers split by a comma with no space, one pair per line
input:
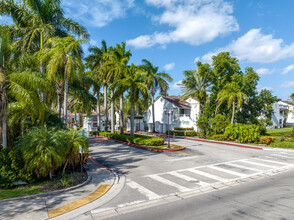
[155,80]
[232,94]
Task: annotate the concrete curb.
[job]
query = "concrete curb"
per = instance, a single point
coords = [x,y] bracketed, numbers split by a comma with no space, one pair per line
[142,147]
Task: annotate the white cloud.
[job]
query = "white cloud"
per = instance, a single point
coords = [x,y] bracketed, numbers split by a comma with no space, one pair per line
[287,84]
[264,71]
[97,13]
[192,22]
[169,66]
[288,69]
[176,86]
[257,47]
[259,88]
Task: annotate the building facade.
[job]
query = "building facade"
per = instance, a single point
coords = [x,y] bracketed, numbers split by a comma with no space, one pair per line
[183,113]
[283,114]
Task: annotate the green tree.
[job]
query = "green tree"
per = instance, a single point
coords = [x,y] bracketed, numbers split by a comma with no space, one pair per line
[232,94]
[135,84]
[66,54]
[155,80]
[197,84]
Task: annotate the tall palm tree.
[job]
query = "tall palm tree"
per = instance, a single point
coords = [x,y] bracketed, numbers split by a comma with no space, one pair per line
[155,80]
[95,61]
[38,20]
[232,94]
[118,60]
[66,54]
[134,83]
[196,85]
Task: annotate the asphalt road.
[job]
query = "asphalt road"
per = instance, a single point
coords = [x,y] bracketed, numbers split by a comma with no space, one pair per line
[267,198]
[152,176]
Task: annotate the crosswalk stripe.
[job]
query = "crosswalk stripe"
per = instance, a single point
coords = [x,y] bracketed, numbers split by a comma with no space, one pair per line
[271,161]
[259,164]
[207,175]
[167,182]
[188,178]
[146,192]
[243,167]
[226,171]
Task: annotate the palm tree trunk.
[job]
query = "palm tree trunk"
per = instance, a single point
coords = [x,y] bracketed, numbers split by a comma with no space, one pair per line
[98,110]
[121,114]
[153,112]
[112,112]
[3,109]
[233,114]
[132,118]
[105,108]
[59,94]
[65,98]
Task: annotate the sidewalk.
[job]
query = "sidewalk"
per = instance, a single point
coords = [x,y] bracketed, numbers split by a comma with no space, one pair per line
[67,203]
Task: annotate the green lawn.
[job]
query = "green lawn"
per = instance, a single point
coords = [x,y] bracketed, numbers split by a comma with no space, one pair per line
[164,147]
[279,131]
[20,191]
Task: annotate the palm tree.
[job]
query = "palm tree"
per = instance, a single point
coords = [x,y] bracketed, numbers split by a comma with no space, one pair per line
[42,152]
[196,84]
[155,80]
[232,94]
[118,60]
[95,61]
[37,21]
[134,84]
[66,54]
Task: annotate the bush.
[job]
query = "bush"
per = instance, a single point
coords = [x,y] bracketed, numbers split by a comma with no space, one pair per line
[218,137]
[219,124]
[267,140]
[184,129]
[184,133]
[137,139]
[242,133]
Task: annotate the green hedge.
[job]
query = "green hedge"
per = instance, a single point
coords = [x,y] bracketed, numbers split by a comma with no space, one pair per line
[184,133]
[217,137]
[183,129]
[137,139]
[242,133]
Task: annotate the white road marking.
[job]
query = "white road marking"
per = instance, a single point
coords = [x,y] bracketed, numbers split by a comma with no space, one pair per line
[271,161]
[278,155]
[146,192]
[259,164]
[207,175]
[188,178]
[226,171]
[168,182]
[182,158]
[243,167]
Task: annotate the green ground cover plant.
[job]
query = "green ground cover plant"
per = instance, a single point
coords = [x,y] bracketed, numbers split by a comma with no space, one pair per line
[242,133]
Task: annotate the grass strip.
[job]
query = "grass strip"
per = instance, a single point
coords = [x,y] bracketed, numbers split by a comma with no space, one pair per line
[20,191]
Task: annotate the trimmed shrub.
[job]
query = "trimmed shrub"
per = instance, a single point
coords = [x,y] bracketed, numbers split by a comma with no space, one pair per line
[219,124]
[183,133]
[267,140]
[218,137]
[137,139]
[242,133]
[184,129]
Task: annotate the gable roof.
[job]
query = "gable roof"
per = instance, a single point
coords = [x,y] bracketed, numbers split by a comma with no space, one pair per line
[289,103]
[177,101]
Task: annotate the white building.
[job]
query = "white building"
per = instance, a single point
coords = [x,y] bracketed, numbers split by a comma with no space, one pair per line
[283,114]
[185,113]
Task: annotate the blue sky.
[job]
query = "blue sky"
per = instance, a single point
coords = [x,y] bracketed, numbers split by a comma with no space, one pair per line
[173,34]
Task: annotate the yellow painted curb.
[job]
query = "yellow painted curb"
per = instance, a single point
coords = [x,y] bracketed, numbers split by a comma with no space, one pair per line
[100,191]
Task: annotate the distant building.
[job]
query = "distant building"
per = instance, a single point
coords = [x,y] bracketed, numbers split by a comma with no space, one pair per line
[283,114]
[185,113]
